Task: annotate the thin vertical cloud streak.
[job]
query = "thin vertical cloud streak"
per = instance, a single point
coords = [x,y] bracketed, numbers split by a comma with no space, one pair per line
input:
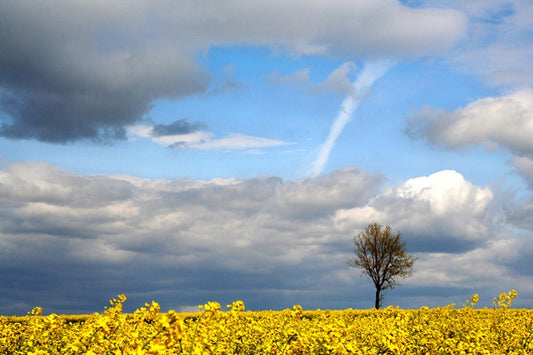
[371,72]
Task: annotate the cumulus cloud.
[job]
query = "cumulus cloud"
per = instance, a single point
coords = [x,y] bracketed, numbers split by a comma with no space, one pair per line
[88,70]
[506,121]
[440,212]
[70,242]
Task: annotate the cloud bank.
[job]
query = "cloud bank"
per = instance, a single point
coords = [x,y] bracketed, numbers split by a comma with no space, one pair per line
[87,70]
[70,242]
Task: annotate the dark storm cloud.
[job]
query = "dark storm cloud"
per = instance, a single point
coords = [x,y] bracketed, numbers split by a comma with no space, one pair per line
[86,70]
[181,126]
[59,82]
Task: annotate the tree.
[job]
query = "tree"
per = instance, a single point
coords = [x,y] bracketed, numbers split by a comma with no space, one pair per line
[383,257]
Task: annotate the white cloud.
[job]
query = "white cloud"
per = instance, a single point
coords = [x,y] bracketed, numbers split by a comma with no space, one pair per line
[497,47]
[506,121]
[379,27]
[370,73]
[237,141]
[442,210]
[205,140]
[447,192]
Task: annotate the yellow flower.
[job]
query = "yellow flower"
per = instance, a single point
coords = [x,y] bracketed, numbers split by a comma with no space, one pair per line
[443,330]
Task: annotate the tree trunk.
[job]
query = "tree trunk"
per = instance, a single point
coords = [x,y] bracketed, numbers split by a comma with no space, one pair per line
[378,290]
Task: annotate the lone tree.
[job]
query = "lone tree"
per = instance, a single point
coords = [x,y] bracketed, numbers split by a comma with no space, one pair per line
[383,257]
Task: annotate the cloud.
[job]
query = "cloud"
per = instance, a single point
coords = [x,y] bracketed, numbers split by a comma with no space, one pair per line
[236,141]
[298,78]
[318,197]
[440,212]
[506,121]
[87,70]
[371,72]
[182,135]
[524,167]
[178,127]
[186,239]
[70,242]
[337,81]
[497,47]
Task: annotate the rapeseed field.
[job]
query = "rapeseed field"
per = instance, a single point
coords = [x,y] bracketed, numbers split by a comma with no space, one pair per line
[444,330]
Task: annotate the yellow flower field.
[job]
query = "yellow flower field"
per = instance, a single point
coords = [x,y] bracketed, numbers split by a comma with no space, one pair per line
[446,330]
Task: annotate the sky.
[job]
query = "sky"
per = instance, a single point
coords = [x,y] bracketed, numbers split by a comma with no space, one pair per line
[188,151]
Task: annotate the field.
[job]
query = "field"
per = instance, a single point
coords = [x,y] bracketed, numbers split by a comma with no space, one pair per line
[446,330]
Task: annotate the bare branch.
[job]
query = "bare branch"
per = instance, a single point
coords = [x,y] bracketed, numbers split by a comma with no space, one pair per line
[383,257]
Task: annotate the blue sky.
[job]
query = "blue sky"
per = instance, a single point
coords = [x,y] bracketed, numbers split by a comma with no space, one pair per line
[179,151]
